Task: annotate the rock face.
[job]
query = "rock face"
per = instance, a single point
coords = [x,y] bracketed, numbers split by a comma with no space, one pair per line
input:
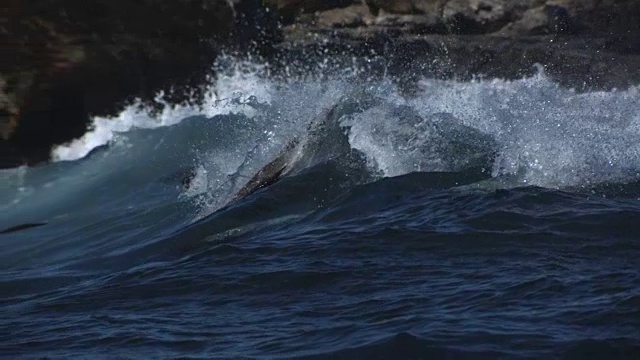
[68,59]
[519,17]
[619,20]
[581,43]
[290,9]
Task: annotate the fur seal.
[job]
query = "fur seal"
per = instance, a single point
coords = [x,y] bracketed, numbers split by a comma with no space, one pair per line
[270,173]
[292,153]
[320,142]
[465,149]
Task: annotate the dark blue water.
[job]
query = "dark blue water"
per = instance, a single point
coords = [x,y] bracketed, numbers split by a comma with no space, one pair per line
[484,220]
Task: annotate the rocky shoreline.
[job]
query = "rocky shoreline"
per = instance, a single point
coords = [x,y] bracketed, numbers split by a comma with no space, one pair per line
[573,62]
[67,62]
[586,45]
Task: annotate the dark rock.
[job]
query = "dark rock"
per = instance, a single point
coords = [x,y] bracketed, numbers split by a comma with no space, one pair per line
[351,16]
[255,26]
[603,16]
[290,9]
[68,59]
[616,18]
[406,6]
[590,44]
[572,61]
[547,19]
[619,20]
[559,20]
[484,16]
[412,23]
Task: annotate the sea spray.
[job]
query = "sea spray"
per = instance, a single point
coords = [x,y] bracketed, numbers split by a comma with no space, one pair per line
[547,135]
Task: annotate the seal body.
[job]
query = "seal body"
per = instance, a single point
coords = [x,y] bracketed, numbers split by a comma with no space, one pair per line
[324,139]
[270,173]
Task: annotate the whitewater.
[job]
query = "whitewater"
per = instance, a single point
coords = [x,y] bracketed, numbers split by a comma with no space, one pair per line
[474,219]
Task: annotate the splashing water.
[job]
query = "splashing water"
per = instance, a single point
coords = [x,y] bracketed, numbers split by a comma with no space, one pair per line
[547,135]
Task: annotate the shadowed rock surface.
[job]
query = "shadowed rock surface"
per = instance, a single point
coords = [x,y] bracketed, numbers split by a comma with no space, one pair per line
[581,44]
[65,60]
[618,19]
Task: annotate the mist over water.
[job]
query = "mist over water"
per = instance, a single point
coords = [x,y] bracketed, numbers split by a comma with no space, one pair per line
[477,219]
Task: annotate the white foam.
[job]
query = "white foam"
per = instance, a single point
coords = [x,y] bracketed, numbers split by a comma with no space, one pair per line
[292,107]
[550,136]
[227,94]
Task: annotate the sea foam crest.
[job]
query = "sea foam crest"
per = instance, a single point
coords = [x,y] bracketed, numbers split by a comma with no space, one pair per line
[548,135]
[228,93]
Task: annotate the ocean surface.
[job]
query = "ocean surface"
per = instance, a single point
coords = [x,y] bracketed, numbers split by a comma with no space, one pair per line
[485,219]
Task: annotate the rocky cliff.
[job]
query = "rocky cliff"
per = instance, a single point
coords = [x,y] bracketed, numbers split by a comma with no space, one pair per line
[619,18]
[63,60]
[584,44]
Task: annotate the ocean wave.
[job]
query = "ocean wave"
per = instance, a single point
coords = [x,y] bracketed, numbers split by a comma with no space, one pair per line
[548,135]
